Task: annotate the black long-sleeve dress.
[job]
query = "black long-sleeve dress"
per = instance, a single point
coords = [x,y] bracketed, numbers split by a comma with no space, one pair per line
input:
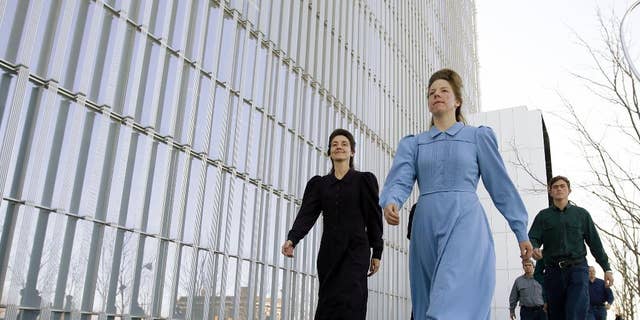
[352,221]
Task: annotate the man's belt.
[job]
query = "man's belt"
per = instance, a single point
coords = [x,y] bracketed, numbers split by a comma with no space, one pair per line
[566,263]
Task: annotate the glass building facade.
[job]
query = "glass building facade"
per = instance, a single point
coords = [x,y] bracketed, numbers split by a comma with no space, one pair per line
[153,154]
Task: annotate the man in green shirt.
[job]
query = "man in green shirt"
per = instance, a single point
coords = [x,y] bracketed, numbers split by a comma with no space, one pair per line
[562,231]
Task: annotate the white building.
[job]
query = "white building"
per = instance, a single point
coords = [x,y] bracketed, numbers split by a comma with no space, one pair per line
[524,145]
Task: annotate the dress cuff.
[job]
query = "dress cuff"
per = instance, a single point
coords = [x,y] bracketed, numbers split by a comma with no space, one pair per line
[377,253]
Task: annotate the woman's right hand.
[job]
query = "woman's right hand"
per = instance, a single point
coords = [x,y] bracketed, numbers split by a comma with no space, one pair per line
[287,249]
[391,214]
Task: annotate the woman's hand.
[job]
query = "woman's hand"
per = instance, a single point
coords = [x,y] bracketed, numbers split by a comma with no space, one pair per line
[391,214]
[526,250]
[375,266]
[287,249]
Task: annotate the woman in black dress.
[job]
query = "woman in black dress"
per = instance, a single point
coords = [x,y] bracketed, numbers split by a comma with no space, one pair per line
[352,225]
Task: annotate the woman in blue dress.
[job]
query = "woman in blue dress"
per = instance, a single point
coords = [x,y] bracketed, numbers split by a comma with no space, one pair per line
[450,228]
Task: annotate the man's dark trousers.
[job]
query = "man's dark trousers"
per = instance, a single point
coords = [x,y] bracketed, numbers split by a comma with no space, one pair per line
[532,313]
[567,291]
[597,313]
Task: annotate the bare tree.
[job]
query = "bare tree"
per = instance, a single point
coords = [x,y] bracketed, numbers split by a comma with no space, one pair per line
[614,173]
[538,184]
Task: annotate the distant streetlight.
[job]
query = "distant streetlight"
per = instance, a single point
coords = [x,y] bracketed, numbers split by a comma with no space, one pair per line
[624,43]
[121,288]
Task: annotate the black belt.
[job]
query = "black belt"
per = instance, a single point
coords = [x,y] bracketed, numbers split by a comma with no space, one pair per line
[532,308]
[566,263]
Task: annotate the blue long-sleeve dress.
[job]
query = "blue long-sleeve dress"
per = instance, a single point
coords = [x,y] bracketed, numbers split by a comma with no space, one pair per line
[451,253]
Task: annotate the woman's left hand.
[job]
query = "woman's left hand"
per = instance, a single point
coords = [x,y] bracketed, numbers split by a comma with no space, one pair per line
[375,265]
[526,249]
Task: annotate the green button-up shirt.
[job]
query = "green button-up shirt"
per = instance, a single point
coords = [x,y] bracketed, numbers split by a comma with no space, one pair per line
[563,233]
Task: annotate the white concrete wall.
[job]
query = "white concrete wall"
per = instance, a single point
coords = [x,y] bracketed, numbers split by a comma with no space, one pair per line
[520,136]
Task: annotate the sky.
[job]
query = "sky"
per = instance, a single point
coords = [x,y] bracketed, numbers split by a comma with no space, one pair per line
[527,51]
[527,48]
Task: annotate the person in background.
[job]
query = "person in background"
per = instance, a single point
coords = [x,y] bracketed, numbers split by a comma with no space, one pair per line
[600,297]
[528,291]
[351,241]
[558,235]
